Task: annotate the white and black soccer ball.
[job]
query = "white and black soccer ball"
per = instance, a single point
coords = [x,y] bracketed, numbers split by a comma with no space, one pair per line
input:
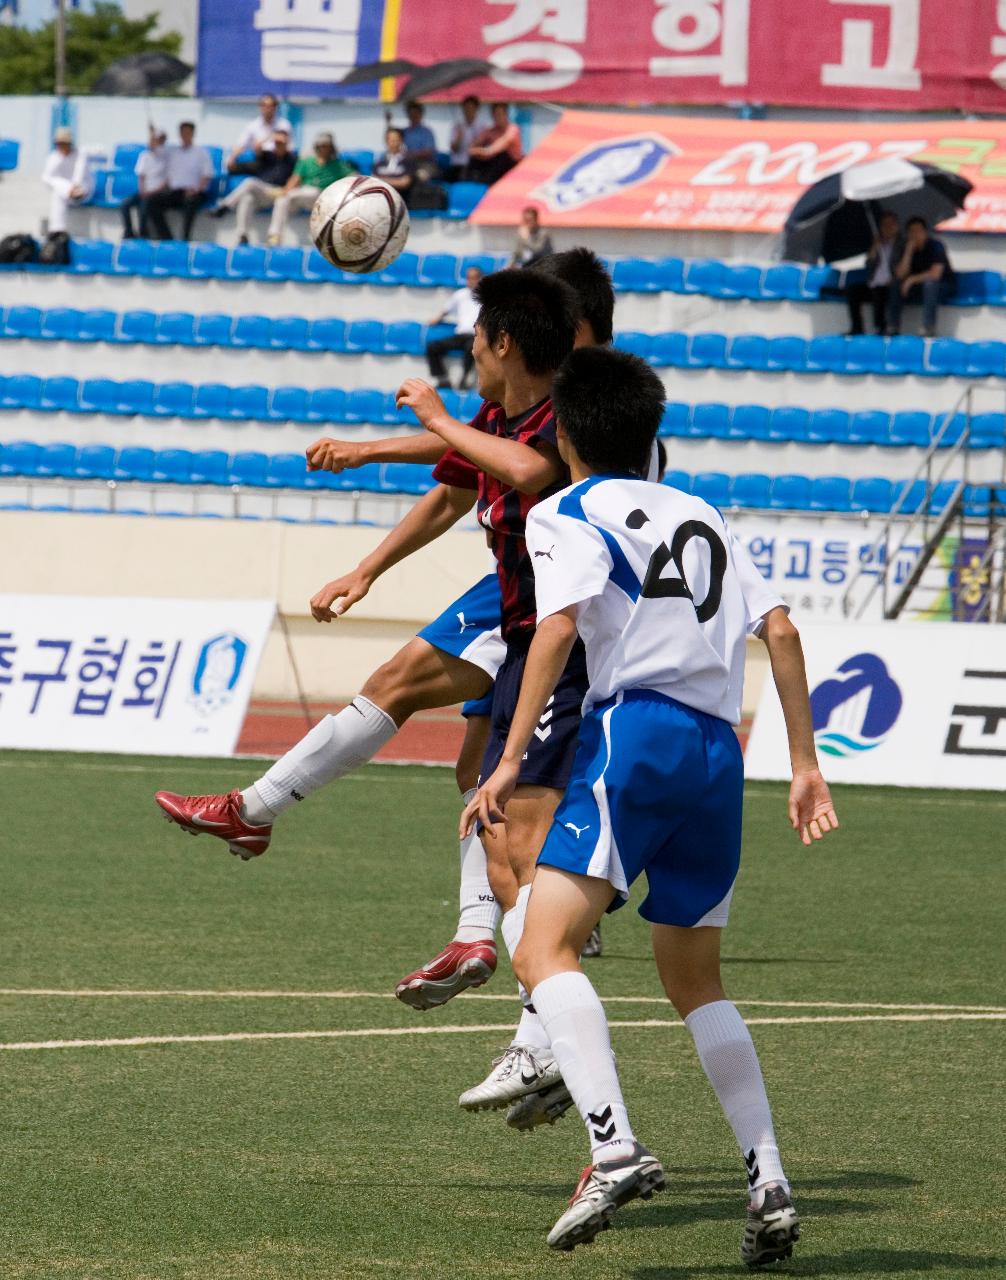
[360,224]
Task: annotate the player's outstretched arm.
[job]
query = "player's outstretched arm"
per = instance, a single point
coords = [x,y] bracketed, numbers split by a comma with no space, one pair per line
[432,515]
[548,655]
[527,469]
[811,811]
[332,454]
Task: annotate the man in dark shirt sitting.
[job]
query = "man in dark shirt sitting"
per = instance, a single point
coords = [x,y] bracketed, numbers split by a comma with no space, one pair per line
[923,274]
[270,172]
[884,255]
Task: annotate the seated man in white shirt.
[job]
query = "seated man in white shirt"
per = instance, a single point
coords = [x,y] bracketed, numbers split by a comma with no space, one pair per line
[68,175]
[258,135]
[189,171]
[463,309]
[152,176]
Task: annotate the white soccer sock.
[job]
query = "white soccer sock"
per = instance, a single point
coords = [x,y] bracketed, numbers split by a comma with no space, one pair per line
[728,1056]
[480,914]
[578,1031]
[530,1031]
[334,747]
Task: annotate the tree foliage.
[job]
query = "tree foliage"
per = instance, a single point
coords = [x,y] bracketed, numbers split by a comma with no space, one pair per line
[93,40]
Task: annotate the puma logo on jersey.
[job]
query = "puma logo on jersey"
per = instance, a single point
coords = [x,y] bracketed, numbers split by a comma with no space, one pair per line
[547,553]
[577,831]
[465,625]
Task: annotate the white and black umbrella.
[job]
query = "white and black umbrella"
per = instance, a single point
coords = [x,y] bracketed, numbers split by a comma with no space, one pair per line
[836,218]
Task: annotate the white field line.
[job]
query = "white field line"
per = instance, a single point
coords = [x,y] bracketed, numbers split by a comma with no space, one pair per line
[98,993]
[374,1032]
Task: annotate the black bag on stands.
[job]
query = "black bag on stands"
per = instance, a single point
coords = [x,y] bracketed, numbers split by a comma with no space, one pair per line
[18,249]
[427,195]
[56,250]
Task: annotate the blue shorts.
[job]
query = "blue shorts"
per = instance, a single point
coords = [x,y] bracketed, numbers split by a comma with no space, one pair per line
[470,627]
[548,761]
[656,787]
[478,706]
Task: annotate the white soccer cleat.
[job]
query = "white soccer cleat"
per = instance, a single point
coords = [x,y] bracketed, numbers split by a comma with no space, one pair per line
[771,1230]
[518,1071]
[602,1189]
[543,1107]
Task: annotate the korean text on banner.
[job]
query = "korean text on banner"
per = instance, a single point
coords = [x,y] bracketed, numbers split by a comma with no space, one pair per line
[897,703]
[596,169]
[169,677]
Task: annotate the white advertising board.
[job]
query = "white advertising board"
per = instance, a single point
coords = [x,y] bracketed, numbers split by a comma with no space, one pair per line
[169,677]
[909,704]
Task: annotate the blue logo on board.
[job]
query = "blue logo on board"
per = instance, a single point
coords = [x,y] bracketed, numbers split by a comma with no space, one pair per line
[217,671]
[606,169]
[855,709]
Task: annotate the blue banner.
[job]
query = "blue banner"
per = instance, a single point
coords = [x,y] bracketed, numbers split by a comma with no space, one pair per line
[293,48]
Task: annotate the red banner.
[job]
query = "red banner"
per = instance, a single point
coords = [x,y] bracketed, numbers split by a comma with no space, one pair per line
[902,55]
[601,169]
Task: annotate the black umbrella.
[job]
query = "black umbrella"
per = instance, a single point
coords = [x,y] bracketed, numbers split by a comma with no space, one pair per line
[141,74]
[378,70]
[422,80]
[836,218]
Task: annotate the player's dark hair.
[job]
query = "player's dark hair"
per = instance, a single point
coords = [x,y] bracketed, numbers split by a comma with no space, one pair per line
[610,404]
[537,312]
[471,97]
[661,459]
[186,124]
[588,277]
[917,221]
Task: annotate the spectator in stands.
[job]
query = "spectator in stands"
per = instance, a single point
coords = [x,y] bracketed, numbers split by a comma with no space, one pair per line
[923,274]
[533,241]
[394,165]
[464,133]
[68,176]
[880,263]
[260,134]
[463,310]
[151,176]
[274,168]
[496,150]
[311,175]
[419,141]
[190,170]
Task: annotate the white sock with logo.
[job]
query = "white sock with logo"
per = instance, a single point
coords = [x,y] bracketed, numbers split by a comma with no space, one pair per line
[530,1031]
[574,1021]
[728,1057]
[480,914]
[334,747]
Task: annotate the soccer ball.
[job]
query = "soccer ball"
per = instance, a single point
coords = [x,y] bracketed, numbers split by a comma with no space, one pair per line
[360,224]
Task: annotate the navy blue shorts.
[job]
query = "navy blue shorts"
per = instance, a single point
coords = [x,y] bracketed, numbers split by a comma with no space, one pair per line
[656,787]
[548,760]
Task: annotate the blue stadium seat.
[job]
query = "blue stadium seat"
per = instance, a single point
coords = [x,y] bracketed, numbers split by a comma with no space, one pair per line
[910,428]
[712,487]
[826,354]
[248,403]
[210,466]
[788,352]
[828,426]
[748,351]
[750,422]
[947,356]
[56,460]
[711,421]
[362,161]
[317,268]
[91,257]
[865,353]
[678,480]
[98,395]
[364,405]
[364,335]
[172,466]
[60,395]
[978,501]
[403,271]
[137,326]
[905,354]
[9,149]
[741,280]
[175,328]
[635,275]
[815,279]
[208,262]
[174,400]
[404,337]
[135,462]
[134,258]
[21,391]
[19,458]
[790,493]
[439,269]
[869,426]
[462,197]
[328,334]
[248,468]
[407,477]
[789,422]
[975,288]
[288,333]
[247,262]
[97,326]
[289,404]
[676,419]
[284,262]
[705,275]
[638,344]
[909,497]
[986,360]
[873,494]
[467,405]
[751,490]
[707,351]
[784,280]
[365,479]
[212,400]
[95,462]
[171,258]
[830,493]
[988,431]
[327,404]
[217,156]
[102,183]
[669,349]
[949,431]
[487,263]
[136,396]
[214,330]
[286,471]
[127,154]
[60,324]
[670,274]
[251,331]
[23,322]
[941,495]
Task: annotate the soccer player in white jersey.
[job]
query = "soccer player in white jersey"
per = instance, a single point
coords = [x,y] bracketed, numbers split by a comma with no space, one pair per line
[664,599]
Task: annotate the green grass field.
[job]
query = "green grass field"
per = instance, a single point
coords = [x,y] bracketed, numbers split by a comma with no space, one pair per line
[345,1155]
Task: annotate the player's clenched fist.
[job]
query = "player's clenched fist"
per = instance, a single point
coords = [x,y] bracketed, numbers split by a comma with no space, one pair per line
[354,586]
[329,454]
[420,397]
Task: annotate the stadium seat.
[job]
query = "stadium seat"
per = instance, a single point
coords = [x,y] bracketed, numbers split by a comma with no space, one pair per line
[9,149]
[826,354]
[286,471]
[711,421]
[712,487]
[678,480]
[788,352]
[328,334]
[439,269]
[100,196]
[705,275]
[987,431]
[98,395]
[865,353]
[317,268]
[289,404]
[247,262]
[910,428]
[403,271]
[638,344]
[636,275]
[487,263]
[785,280]
[210,466]
[60,324]
[362,161]
[137,326]
[171,258]
[789,422]
[741,280]
[869,426]
[707,351]
[676,419]
[172,466]
[986,360]
[127,154]
[60,395]
[670,274]
[816,279]
[248,468]
[364,404]
[750,422]
[175,328]
[906,354]
[136,396]
[404,337]
[748,351]
[909,497]
[23,322]
[288,333]
[97,326]
[21,391]
[872,494]
[251,331]
[134,258]
[213,330]
[217,156]
[56,460]
[948,428]
[174,400]
[208,262]
[134,463]
[975,288]
[941,496]
[947,357]
[406,477]
[327,404]
[830,493]
[284,262]
[91,257]
[364,335]
[751,489]
[462,197]
[790,493]
[978,501]
[248,403]
[19,458]
[212,400]
[95,462]
[365,479]
[669,349]
[828,426]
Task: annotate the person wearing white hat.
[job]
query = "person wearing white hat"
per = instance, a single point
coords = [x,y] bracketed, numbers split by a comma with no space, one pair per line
[311,175]
[68,176]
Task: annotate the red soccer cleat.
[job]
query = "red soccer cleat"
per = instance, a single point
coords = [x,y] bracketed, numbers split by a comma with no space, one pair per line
[217,816]
[460,965]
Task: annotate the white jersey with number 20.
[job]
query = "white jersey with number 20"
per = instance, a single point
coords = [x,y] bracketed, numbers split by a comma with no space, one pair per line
[666,595]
